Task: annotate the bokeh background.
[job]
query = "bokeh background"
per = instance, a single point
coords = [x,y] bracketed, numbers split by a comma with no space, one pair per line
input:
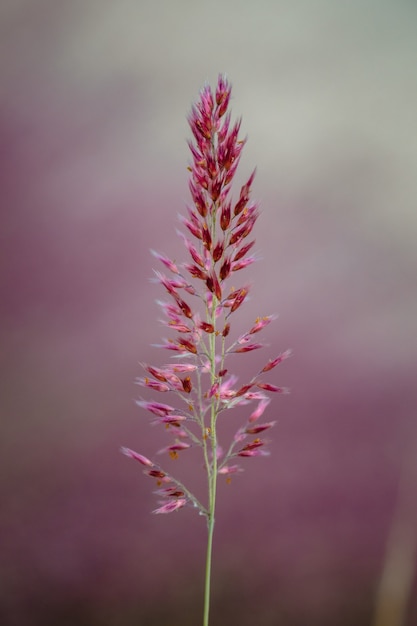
[93,102]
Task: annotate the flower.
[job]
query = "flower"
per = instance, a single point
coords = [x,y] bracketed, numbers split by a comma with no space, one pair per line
[156,407]
[138,457]
[168,506]
[175,448]
[198,313]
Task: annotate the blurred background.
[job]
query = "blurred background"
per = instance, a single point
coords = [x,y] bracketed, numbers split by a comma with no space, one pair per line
[94,96]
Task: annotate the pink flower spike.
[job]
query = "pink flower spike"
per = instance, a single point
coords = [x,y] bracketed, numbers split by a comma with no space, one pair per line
[170,310]
[223,91]
[156,407]
[244,194]
[261,322]
[167,262]
[173,492]
[255,395]
[170,345]
[225,389]
[254,430]
[225,269]
[272,363]
[181,328]
[259,410]
[156,373]
[189,346]
[230,469]
[174,381]
[168,284]
[192,250]
[153,384]
[172,420]
[184,307]
[214,286]
[240,435]
[240,265]
[243,390]
[195,271]
[238,298]
[206,100]
[136,456]
[175,448]
[253,445]
[249,348]
[199,326]
[159,475]
[274,388]
[243,250]
[180,368]
[219,310]
[223,130]
[213,390]
[193,228]
[208,328]
[225,216]
[254,452]
[170,505]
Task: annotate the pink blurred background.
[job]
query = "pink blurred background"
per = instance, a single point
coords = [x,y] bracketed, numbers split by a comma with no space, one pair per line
[93,102]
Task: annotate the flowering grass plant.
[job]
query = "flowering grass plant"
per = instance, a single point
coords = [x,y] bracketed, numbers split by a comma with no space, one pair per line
[198,312]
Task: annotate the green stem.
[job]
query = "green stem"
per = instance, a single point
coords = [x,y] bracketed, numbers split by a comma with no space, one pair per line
[208,569]
[212,471]
[212,484]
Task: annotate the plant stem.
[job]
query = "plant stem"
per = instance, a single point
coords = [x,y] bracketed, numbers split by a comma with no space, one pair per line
[212,471]
[208,570]
[210,517]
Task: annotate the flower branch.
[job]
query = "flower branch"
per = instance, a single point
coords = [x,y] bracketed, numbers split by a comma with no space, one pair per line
[218,244]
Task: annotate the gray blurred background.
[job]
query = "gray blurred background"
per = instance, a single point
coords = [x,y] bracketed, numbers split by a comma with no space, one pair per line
[94,96]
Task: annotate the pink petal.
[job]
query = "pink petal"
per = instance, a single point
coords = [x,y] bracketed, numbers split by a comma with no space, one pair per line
[254,430]
[255,452]
[272,363]
[174,420]
[261,322]
[175,447]
[269,387]
[259,410]
[167,262]
[138,457]
[230,469]
[180,367]
[155,407]
[153,384]
[171,505]
[248,348]
[240,265]
[213,390]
